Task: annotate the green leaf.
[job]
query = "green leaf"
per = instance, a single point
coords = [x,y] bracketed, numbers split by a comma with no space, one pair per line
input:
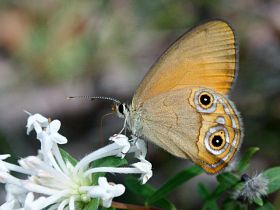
[205,194]
[258,201]
[211,204]
[111,161]
[137,188]
[273,175]
[243,163]
[146,191]
[174,182]
[92,205]
[267,206]
[203,191]
[67,157]
[227,179]
[233,205]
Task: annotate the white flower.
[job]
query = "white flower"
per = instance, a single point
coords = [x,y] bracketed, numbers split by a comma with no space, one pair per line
[254,188]
[31,204]
[3,166]
[146,169]
[59,183]
[8,205]
[15,193]
[36,122]
[47,132]
[123,142]
[106,191]
[50,135]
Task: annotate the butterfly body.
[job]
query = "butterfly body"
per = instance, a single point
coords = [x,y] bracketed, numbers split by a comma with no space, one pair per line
[182,104]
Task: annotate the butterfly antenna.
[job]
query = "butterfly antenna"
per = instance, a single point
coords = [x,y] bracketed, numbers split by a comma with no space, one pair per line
[95,98]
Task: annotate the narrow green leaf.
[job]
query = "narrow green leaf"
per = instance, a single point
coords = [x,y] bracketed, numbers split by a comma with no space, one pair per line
[203,191]
[67,157]
[146,191]
[219,190]
[205,194]
[174,182]
[210,205]
[111,161]
[273,175]
[227,179]
[233,205]
[258,201]
[137,188]
[243,163]
[92,205]
[267,206]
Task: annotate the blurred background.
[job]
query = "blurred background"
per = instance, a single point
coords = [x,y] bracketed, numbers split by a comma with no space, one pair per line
[53,49]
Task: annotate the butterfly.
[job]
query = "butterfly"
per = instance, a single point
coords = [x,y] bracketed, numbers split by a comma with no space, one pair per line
[182,103]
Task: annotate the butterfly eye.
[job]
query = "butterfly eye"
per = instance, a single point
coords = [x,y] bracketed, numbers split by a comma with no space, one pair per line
[121,109]
[205,100]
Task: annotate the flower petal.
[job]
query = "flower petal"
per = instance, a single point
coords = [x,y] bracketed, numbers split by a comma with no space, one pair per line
[36,122]
[106,191]
[146,168]
[5,156]
[8,205]
[58,138]
[41,119]
[122,141]
[54,126]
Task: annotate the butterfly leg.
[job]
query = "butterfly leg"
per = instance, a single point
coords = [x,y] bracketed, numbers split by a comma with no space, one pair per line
[124,126]
[133,139]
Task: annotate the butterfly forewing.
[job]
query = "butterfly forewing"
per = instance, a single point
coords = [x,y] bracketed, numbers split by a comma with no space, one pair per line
[204,56]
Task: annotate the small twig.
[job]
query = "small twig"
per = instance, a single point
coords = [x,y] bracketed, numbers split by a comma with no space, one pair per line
[119,205]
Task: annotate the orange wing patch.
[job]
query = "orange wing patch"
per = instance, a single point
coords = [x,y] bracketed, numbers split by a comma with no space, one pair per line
[204,57]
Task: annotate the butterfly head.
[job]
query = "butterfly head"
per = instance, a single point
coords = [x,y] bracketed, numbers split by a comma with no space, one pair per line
[121,109]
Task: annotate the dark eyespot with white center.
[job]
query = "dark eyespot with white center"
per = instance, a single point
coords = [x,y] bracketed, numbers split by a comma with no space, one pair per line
[205,101]
[216,140]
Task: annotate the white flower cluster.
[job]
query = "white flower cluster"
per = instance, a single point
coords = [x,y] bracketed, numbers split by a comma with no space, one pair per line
[54,182]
